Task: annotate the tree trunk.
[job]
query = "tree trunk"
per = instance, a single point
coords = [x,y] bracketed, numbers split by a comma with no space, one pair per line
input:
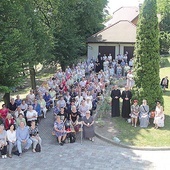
[32,77]
[6,99]
[63,66]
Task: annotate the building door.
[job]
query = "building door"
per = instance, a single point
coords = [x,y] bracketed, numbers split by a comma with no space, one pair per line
[130,51]
[107,50]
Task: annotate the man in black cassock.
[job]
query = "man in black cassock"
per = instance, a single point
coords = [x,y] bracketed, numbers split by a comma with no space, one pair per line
[126,96]
[115,95]
[97,66]
[100,59]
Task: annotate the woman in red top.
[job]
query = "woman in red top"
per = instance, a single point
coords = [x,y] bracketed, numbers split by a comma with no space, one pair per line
[3,112]
[9,121]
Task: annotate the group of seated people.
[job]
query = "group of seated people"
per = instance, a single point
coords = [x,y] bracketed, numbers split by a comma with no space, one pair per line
[69,120]
[143,114]
[18,139]
[70,92]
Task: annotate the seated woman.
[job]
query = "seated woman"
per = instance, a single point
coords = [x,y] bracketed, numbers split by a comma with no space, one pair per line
[3,142]
[83,108]
[11,137]
[59,129]
[74,117]
[53,96]
[62,114]
[18,101]
[8,121]
[34,135]
[134,113]
[144,114]
[61,102]
[37,107]
[24,107]
[56,110]
[31,115]
[159,116]
[12,106]
[17,112]
[89,104]
[42,103]
[47,99]
[3,112]
[88,127]
[20,119]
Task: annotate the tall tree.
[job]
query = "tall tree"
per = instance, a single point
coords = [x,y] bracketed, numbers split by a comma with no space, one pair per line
[24,42]
[71,21]
[164,26]
[10,39]
[147,58]
[37,42]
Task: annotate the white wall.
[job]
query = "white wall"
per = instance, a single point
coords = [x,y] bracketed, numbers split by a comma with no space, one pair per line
[93,49]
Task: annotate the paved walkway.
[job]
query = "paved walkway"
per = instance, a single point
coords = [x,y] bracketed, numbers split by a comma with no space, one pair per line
[88,155]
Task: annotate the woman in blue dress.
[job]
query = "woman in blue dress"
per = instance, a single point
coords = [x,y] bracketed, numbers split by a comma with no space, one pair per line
[144,114]
[47,99]
[60,131]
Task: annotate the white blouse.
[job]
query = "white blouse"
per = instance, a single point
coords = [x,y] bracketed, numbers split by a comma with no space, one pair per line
[11,136]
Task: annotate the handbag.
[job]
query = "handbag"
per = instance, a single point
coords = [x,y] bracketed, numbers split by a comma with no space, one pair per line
[152,114]
[38,148]
[72,137]
[76,128]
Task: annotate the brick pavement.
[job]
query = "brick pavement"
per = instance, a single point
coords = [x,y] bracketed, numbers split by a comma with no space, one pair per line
[88,155]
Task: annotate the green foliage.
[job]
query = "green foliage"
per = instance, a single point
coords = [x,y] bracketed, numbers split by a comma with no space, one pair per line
[71,22]
[25,41]
[161,5]
[10,38]
[147,59]
[40,31]
[164,62]
[164,26]
[164,39]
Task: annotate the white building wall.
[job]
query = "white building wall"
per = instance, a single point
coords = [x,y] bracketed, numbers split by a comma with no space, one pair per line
[93,49]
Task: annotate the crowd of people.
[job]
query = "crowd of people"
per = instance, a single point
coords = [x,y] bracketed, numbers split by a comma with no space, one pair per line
[73,95]
[117,67]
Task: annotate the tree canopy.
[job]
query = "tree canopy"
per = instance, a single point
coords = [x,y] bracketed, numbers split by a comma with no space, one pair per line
[43,31]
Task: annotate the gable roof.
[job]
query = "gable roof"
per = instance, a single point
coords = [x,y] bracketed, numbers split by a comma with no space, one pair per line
[123,13]
[121,32]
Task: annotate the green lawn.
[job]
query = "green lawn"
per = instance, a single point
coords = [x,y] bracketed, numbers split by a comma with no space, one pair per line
[149,136]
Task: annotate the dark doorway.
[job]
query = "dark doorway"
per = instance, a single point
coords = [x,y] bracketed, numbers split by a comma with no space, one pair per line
[107,50]
[130,51]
